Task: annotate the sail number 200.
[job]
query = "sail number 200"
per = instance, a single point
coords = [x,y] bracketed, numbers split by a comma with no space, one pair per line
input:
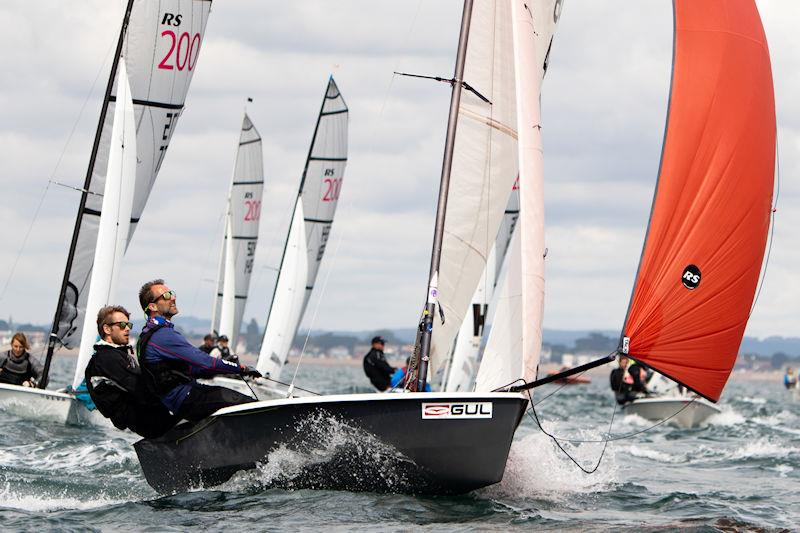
[332,186]
[186,48]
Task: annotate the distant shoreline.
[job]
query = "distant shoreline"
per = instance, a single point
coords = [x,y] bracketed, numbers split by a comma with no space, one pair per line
[773,376]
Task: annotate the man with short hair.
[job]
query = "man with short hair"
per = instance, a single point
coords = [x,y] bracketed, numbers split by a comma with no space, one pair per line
[173,365]
[376,368]
[209,343]
[113,379]
[225,351]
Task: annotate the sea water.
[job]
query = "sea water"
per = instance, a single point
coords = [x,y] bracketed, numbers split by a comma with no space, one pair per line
[740,471]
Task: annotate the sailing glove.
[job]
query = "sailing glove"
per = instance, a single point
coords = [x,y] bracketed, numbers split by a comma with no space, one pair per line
[250,372]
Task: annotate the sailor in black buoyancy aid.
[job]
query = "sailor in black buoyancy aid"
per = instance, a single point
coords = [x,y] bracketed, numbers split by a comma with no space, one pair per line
[377,369]
[17,366]
[114,379]
[172,366]
[628,381]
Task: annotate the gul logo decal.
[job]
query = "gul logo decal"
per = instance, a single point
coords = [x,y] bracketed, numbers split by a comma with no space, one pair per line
[457,410]
[691,277]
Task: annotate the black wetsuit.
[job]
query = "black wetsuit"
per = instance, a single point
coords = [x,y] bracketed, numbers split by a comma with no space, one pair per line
[18,370]
[377,369]
[627,392]
[113,378]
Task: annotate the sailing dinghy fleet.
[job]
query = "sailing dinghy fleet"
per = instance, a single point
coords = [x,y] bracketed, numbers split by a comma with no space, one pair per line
[691,299]
[151,75]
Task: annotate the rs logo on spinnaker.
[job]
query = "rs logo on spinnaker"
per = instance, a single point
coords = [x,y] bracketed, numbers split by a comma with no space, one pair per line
[457,410]
[691,277]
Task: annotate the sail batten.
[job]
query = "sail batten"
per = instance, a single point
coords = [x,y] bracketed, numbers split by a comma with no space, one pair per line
[711,212]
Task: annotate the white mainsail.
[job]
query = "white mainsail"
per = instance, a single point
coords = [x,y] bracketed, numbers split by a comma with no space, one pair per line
[514,345]
[483,171]
[161,47]
[309,230]
[241,234]
[114,224]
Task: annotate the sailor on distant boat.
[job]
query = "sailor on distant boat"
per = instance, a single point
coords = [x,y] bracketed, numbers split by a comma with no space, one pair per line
[224,351]
[209,343]
[376,368]
[628,380]
[789,379]
[18,367]
[172,365]
[114,379]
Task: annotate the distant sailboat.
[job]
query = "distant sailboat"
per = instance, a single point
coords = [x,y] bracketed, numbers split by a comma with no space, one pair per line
[159,46]
[419,427]
[312,218]
[711,210]
[242,218]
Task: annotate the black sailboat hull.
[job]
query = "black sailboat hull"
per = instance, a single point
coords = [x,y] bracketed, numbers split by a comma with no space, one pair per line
[424,443]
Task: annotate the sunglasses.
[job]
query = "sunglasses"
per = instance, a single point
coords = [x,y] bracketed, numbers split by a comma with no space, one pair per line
[121,325]
[169,295]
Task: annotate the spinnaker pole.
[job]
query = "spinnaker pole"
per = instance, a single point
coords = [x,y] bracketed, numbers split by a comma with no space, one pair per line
[51,342]
[422,353]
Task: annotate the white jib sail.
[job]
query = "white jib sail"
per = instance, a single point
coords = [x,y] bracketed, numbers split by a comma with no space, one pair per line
[484,168]
[161,49]
[502,357]
[112,232]
[241,234]
[464,362]
[289,300]
[316,206]
[513,349]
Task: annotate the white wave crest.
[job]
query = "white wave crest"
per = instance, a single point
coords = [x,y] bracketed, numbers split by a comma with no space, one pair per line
[727,417]
[536,468]
[10,499]
[763,448]
[655,455]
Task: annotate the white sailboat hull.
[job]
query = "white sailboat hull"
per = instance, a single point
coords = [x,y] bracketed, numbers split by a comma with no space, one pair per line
[688,416]
[48,406]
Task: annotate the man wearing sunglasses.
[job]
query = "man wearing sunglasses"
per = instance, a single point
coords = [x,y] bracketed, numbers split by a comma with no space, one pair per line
[172,365]
[113,378]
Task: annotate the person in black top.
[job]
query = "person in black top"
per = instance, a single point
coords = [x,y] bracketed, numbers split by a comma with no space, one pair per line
[18,367]
[209,343]
[376,368]
[113,378]
[225,351]
[628,380]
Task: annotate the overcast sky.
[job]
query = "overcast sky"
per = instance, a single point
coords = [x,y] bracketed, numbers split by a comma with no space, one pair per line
[604,104]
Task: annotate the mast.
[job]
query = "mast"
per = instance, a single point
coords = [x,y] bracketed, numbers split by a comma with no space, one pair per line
[51,343]
[422,355]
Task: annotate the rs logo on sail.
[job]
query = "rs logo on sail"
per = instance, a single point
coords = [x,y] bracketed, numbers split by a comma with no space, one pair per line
[457,410]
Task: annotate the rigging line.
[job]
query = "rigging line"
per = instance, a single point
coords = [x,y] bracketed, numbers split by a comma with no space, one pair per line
[209,248]
[290,385]
[55,169]
[348,201]
[560,447]
[24,241]
[611,437]
[772,224]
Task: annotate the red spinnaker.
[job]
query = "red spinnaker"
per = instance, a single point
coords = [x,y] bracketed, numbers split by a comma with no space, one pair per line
[711,212]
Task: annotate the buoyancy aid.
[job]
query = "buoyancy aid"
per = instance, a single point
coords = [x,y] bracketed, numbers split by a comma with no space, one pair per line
[627,378]
[165,375]
[16,371]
